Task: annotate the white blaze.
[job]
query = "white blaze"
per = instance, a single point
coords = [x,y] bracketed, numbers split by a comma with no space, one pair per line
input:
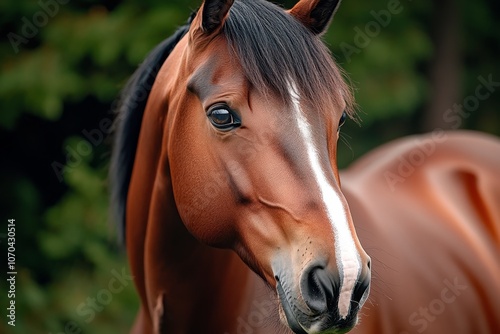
[347,255]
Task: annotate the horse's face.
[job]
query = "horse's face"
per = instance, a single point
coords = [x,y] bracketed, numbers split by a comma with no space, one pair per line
[254,170]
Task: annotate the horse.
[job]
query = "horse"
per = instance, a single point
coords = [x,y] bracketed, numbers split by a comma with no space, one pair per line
[227,194]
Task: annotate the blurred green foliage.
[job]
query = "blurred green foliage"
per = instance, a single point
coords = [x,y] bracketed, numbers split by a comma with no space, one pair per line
[58,84]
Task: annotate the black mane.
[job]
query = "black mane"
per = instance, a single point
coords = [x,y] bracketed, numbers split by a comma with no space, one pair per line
[273,49]
[128,124]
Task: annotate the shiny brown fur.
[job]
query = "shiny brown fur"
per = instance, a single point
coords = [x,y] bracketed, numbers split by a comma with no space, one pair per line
[434,237]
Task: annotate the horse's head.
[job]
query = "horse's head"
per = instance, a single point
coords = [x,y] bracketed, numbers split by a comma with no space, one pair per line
[255,104]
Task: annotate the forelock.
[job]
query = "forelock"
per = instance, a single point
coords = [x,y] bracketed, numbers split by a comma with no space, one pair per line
[274,48]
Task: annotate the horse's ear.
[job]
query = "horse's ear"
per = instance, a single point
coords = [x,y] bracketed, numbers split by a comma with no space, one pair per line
[213,14]
[315,14]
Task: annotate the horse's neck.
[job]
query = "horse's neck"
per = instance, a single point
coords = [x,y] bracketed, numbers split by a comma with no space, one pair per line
[187,280]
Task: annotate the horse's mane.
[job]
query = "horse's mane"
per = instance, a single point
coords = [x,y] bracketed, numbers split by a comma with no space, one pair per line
[130,110]
[272,47]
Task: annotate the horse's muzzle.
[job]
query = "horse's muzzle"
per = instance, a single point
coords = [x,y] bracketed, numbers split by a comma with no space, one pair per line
[315,308]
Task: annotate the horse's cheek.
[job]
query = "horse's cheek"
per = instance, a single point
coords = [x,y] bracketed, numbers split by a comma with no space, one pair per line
[205,215]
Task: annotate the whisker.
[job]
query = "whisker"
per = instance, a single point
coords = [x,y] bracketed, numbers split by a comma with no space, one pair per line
[344,137]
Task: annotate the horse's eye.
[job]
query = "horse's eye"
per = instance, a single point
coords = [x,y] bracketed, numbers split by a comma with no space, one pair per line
[223,118]
[342,120]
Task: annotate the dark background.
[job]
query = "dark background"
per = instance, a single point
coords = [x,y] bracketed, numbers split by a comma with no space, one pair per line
[63,64]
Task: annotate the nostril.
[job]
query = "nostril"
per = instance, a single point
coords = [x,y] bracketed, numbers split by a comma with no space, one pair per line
[317,289]
[369,264]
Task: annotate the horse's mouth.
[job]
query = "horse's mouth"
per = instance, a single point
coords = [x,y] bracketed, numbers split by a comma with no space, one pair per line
[287,310]
[318,324]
